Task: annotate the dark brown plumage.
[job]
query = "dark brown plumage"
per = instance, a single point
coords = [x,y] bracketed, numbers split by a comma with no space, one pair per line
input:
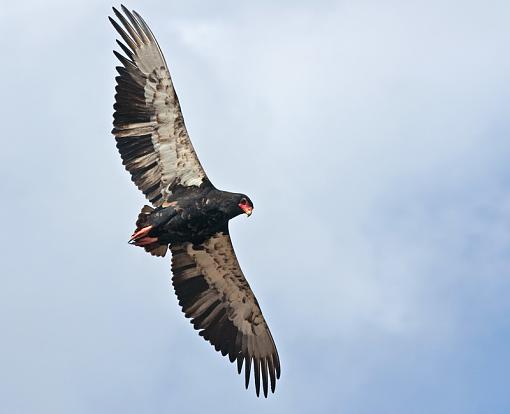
[189,215]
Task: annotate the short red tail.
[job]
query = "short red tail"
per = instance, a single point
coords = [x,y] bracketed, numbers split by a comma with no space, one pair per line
[141,237]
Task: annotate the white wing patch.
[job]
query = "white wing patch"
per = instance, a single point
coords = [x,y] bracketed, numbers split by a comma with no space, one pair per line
[224,275]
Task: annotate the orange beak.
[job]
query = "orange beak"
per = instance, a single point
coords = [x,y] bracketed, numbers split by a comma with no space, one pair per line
[246,208]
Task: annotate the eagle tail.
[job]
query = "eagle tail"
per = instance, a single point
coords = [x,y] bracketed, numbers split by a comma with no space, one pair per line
[141,238]
[143,216]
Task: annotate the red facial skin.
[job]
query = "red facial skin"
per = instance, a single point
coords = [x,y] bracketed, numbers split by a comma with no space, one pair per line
[243,205]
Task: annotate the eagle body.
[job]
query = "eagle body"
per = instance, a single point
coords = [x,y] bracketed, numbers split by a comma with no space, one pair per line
[193,215]
[188,216]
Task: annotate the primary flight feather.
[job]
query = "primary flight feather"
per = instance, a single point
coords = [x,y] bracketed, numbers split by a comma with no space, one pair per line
[189,215]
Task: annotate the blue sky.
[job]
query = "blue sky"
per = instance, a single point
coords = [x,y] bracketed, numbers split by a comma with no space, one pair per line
[373,139]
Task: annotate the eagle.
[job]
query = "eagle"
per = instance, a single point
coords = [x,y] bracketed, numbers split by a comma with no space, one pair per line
[189,216]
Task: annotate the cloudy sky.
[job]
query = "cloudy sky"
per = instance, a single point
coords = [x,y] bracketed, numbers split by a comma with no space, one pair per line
[374,139]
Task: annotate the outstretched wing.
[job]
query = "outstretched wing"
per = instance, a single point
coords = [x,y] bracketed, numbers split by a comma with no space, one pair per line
[212,290]
[148,123]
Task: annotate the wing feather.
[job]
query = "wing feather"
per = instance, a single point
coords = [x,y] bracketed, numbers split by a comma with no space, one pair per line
[148,124]
[213,291]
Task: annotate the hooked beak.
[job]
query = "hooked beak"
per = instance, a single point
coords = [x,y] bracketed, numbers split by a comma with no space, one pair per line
[247,209]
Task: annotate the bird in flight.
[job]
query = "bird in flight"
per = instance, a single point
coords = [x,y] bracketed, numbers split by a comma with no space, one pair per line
[189,215]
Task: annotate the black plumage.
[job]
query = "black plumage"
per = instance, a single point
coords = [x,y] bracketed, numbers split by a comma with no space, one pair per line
[189,215]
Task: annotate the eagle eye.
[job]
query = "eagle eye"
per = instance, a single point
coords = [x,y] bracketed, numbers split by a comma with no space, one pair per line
[243,201]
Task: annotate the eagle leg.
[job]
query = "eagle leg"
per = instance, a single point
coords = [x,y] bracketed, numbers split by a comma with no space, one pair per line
[140,233]
[144,241]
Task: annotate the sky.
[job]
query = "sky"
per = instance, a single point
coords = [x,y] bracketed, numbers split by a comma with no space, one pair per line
[373,139]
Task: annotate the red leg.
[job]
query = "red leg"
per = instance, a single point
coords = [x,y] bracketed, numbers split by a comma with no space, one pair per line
[140,233]
[144,241]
